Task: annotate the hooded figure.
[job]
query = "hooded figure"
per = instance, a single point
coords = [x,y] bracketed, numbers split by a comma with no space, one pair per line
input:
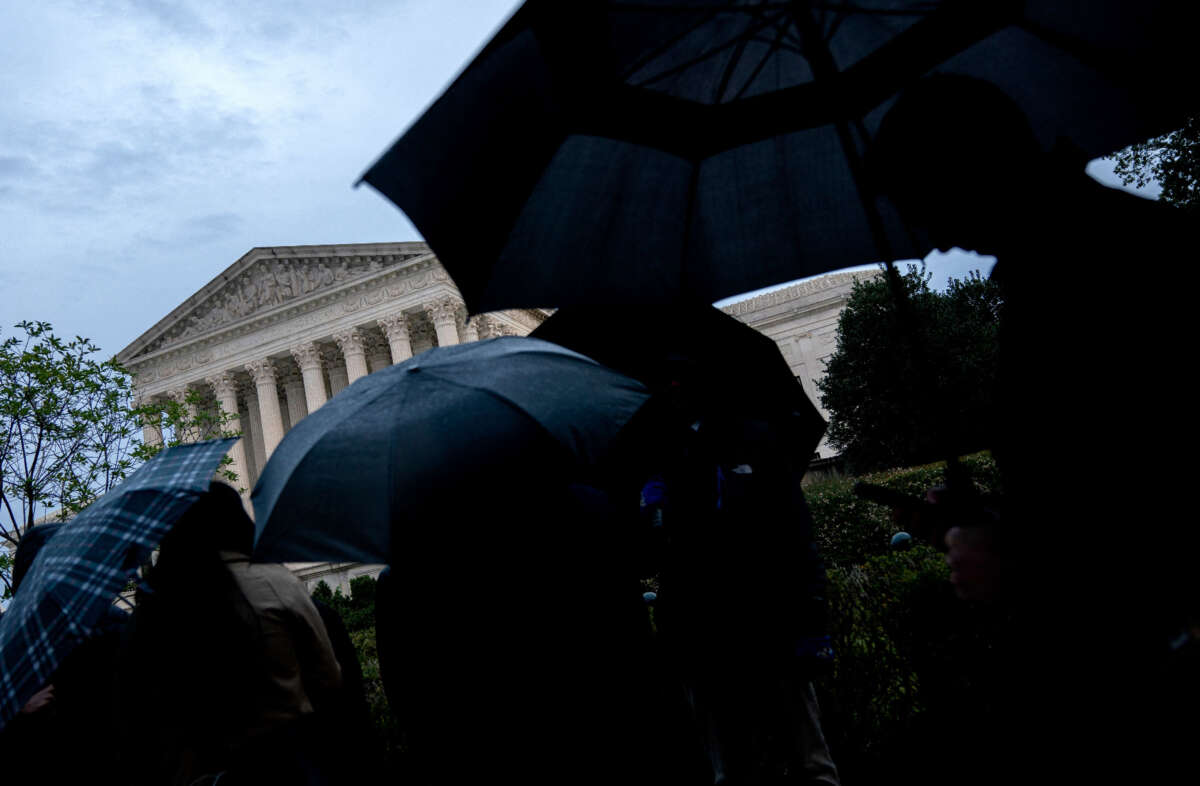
[226,657]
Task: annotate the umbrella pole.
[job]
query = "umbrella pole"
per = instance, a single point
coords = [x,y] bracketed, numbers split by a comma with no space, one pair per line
[820,60]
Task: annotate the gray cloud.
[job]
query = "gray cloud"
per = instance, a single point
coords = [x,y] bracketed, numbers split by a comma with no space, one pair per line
[196,231]
[158,141]
[16,166]
[276,30]
[179,18]
[149,143]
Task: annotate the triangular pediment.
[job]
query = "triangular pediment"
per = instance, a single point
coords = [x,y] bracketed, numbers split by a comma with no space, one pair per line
[267,279]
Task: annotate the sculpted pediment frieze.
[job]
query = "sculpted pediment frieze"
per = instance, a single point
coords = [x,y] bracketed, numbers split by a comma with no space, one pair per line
[270,282]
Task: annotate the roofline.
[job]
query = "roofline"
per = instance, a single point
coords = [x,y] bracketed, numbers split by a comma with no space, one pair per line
[246,260]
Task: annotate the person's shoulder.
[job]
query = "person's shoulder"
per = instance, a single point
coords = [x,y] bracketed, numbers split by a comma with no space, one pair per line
[283,583]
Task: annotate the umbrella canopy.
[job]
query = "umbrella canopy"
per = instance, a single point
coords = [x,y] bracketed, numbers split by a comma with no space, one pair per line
[408,434]
[626,152]
[738,370]
[81,569]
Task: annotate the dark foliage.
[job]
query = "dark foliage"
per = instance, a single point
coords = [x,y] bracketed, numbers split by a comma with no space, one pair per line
[913,661]
[358,610]
[1173,160]
[901,392]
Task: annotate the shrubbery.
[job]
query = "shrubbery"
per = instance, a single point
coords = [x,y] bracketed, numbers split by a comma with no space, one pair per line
[851,530]
[907,648]
[358,610]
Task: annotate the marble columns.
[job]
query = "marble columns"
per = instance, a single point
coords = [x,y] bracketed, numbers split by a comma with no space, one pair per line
[256,430]
[263,374]
[225,388]
[338,378]
[354,350]
[470,331]
[308,357]
[188,431]
[443,314]
[152,428]
[378,356]
[395,327]
[293,388]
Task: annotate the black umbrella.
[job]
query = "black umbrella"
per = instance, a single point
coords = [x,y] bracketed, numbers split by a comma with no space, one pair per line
[738,370]
[622,152]
[411,437]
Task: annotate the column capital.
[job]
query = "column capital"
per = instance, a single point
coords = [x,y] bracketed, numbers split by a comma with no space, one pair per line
[262,371]
[351,342]
[443,311]
[147,401]
[180,395]
[395,326]
[308,356]
[224,385]
[487,327]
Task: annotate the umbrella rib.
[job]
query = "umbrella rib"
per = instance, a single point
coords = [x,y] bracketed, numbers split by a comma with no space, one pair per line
[702,57]
[501,397]
[731,66]
[780,32]
[852,8]
[670,42]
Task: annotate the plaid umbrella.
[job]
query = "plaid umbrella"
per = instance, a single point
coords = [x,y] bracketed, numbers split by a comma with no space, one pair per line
[79,572]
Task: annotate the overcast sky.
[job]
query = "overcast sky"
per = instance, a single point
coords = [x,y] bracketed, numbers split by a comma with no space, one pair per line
[148,144]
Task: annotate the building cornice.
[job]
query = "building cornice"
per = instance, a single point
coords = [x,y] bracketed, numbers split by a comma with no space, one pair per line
[207,315]
[805,289]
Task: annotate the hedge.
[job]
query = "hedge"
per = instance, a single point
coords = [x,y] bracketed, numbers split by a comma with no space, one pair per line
[907,648]
[851,530]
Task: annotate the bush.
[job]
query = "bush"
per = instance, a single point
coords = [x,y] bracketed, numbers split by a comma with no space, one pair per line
[358,610]
[851,530]
[382,718]
[908,650]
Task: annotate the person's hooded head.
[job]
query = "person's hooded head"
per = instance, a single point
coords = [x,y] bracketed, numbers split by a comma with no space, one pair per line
[216,522]
[955,155]
[31,543]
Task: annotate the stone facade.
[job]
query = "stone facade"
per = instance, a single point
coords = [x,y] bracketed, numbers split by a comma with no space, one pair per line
[284,329]
[802,319]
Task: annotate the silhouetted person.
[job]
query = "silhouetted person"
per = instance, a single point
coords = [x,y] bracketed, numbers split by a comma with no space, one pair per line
[1097,286]
[525,650]
[348,717]
[54,738]
[227,660]
[741,607]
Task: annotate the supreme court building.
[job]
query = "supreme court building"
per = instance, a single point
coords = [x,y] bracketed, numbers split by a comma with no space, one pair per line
[284,329]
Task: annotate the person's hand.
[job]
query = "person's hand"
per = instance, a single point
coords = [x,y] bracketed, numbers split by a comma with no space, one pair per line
[974,563]
[40,700]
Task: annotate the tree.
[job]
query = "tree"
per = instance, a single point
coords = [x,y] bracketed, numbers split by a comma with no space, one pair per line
[71,430]
[358,610]
[901,392]
[1173,160]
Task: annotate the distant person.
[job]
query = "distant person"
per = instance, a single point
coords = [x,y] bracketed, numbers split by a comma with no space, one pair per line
[741,607]
[1097,287]
[228,661]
